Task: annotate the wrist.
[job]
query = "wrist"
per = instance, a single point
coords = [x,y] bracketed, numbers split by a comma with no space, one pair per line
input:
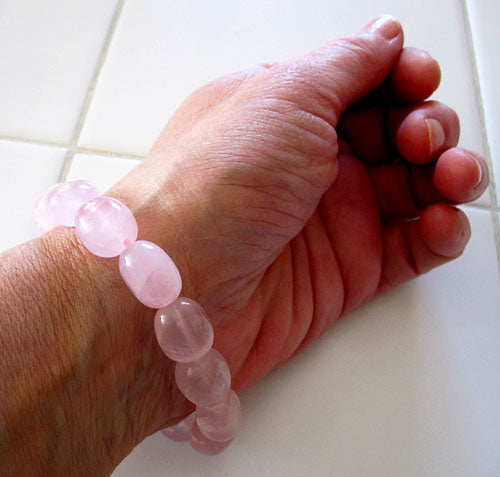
[165,215]
[126,386]
[90,380]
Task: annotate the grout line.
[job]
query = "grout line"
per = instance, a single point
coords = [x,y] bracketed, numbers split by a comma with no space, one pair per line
[37,142]
[99,152]
[76,149]
[488,208]
[72,146]
[479,101]
[495,218]
[484,131]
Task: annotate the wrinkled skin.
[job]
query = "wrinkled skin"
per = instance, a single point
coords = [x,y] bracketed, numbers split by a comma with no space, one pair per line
[293,192]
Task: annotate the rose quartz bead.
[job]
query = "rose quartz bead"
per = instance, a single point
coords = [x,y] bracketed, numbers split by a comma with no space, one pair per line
[43,225]
[221,421]
[181,431]
[150,274]
[183,330]
[206,446]
[43,222]
[105,226]
[205,381]
[64,200]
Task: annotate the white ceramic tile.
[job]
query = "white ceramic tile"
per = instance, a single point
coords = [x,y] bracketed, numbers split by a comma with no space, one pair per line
[485,200]
[484,20]
[408,385]
[26,171]
[103,171]
[48,51]
[163,50]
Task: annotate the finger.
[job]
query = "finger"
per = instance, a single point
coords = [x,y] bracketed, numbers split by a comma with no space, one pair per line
[327,289]
[352,222]
[421,133]
[340,72]
[403,190]
[391,183]
[415,76]
[414,247]
[365,132]
[344,147]
[458,176]
[461,175]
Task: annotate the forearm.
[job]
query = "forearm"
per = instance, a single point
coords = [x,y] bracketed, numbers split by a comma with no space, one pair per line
[76,349]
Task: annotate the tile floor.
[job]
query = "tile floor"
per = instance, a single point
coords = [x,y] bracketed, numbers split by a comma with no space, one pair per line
[408,385]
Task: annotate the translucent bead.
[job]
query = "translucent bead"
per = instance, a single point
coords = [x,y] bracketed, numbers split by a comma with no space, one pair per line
[105,226]
[205,381]
[205,446]
[181,431]
[150,274]
[221,421]
[64,200]
[43,222]
[183,330]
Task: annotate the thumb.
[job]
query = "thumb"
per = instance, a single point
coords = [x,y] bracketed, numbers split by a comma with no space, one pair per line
[345,69]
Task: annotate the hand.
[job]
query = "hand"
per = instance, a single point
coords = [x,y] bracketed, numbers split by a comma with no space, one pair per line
[287,195]
[293,192]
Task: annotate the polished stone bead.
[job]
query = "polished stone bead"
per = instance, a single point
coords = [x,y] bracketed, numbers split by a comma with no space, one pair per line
[183,330]
[105,226]
[206,446]
[64,200]
[221,421]
[205,381]
[181,431]
[150,274]
[43,222]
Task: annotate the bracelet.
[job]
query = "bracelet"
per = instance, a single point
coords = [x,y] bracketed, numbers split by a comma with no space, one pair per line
[107,228]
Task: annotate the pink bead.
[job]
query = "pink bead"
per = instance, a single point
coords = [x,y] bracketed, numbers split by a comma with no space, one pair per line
[43,222]
[205,446]
[105,226]
[64,200]
[221,421]
[181,431]
[183,330]
[150,274]
[205,381]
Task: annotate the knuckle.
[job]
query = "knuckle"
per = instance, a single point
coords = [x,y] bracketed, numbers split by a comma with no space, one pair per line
[354,50]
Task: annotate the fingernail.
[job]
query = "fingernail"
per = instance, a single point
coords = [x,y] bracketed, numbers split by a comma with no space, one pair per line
[435,134]
[462,234]
[479,172]
[386,25]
